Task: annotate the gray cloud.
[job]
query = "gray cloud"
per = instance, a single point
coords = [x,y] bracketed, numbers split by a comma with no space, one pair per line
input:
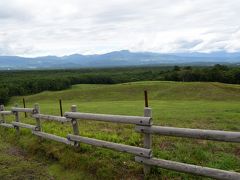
[188,44]
[11,10]
[59,27]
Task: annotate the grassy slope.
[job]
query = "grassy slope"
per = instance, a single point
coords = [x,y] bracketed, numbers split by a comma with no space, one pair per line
[14,164]
[195,105]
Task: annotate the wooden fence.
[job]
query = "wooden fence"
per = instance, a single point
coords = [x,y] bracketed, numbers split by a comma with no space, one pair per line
[144,124]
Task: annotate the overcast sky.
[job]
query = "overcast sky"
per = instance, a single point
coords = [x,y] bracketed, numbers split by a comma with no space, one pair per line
[62,27]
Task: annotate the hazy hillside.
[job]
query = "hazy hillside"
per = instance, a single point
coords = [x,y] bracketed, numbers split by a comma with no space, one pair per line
[118,58]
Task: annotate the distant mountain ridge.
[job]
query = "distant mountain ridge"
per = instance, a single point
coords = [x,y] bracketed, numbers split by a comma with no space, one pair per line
[118,58]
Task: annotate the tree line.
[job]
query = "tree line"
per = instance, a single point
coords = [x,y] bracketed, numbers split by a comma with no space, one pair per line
[17,83]
[217,73]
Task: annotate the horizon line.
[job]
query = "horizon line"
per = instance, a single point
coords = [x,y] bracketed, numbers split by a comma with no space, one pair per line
[163,53]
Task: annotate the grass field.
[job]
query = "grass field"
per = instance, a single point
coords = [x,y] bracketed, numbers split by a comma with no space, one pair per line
[193,105]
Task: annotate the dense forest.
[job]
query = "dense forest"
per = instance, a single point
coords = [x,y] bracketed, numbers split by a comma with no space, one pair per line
[15,83]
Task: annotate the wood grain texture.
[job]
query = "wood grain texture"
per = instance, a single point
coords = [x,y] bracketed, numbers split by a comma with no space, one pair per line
[6,125]
[226,136]
[23,125]
[188,168]
[110,118]
[27,110]
[51,118]
[115,146]
[52,137]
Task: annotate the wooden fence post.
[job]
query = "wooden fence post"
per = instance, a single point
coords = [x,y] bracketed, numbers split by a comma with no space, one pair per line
[2,108]
[147,136]
[17,120]
[75,124]
[24,105]
[146,98]
[60,105]
[38,122]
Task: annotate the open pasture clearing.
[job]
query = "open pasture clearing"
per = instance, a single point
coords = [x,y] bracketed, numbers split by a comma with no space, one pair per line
[192,105]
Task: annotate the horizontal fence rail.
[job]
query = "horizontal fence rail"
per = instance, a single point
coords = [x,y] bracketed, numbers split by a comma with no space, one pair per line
[6,112]
[119,147]
[143,124]
[6,125]
[27,110]
[110,118]
[188,168]
[226,136]
[52,137]
[22,125]
[51,118]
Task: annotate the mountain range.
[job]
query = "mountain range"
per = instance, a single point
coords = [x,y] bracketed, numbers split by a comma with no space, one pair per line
[117,59]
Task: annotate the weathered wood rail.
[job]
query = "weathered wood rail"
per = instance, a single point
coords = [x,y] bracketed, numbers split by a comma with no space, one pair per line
[191,133]
[143,124]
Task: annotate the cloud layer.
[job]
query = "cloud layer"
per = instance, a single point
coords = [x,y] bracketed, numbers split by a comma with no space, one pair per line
[60,27]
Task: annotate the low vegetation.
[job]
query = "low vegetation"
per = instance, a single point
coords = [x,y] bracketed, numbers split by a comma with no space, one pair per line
[14,164]
[179,104]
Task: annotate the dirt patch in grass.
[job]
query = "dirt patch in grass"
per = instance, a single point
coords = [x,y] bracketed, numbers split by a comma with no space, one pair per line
[15,151]
[237,151]
[15,165]
[167,145]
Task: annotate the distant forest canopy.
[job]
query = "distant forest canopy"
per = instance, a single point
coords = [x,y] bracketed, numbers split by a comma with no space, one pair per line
[16,83]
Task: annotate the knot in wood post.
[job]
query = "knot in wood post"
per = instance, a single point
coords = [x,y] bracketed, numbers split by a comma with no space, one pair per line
[75,124]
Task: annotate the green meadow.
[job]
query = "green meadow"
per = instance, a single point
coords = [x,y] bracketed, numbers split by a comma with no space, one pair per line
[176,104]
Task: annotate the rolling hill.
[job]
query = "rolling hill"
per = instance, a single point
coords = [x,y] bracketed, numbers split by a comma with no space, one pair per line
[176,104]
[118,58]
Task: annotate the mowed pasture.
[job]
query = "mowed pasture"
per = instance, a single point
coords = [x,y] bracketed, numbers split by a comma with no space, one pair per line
[177,104]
